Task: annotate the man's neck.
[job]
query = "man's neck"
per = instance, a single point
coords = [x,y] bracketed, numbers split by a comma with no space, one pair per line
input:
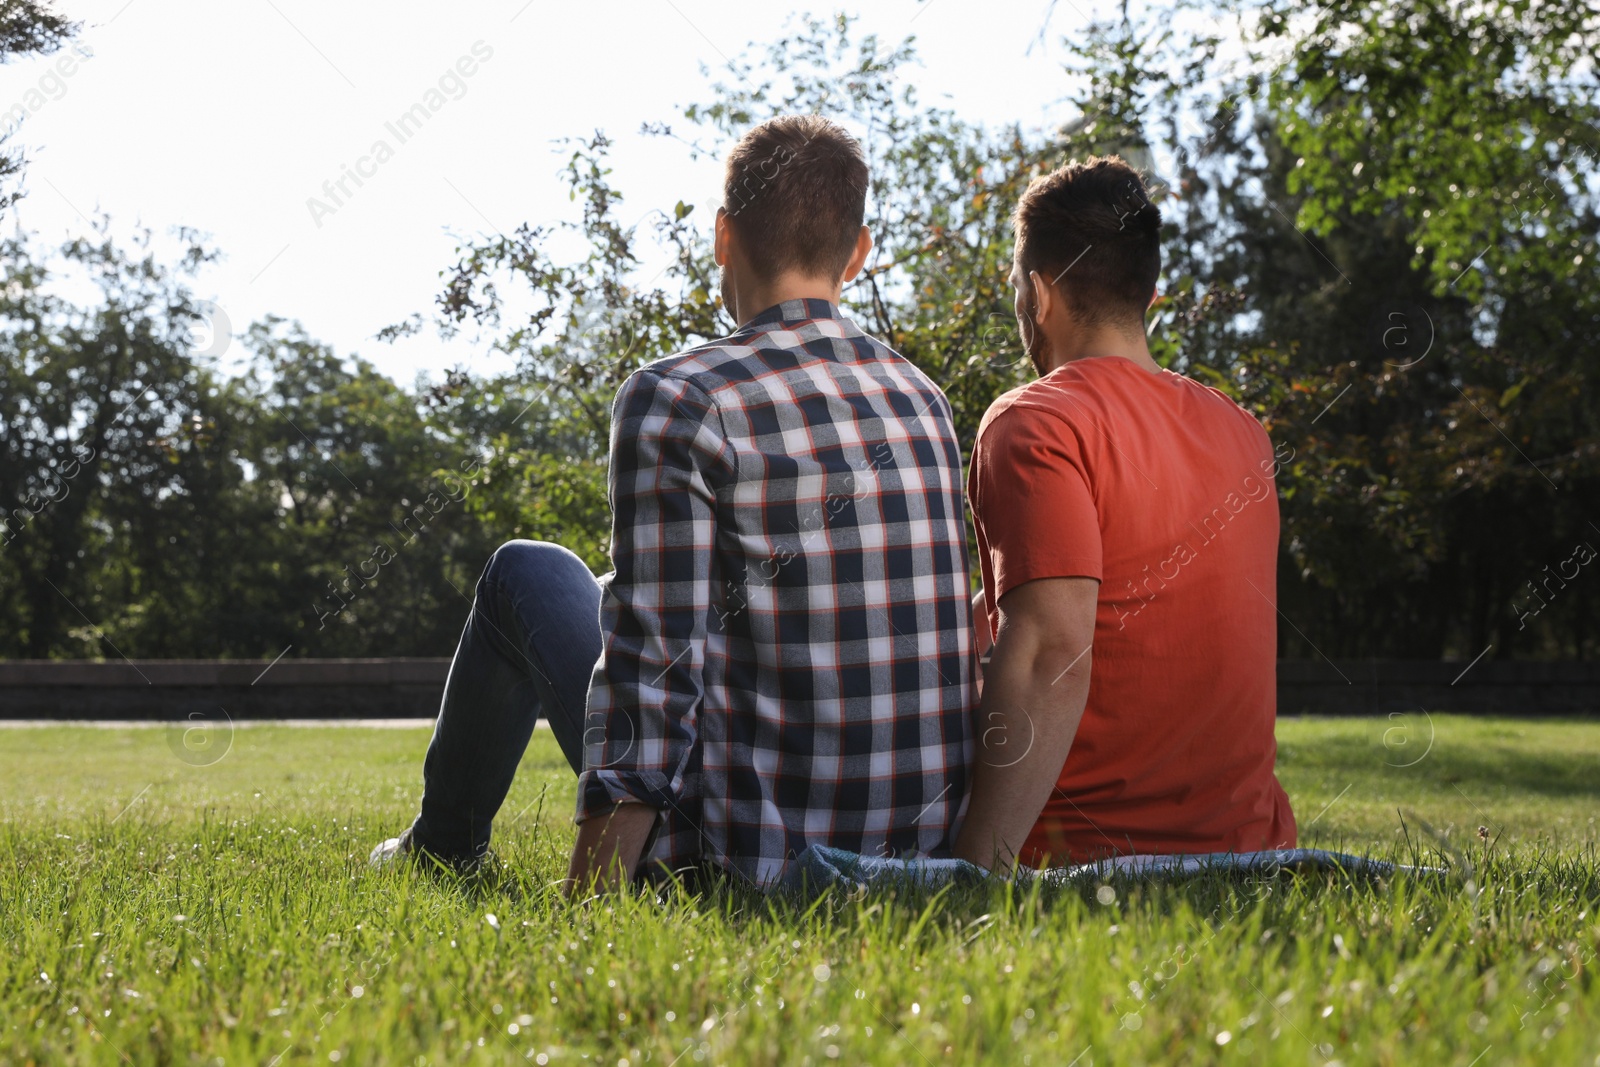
[1107,341]
[752,298]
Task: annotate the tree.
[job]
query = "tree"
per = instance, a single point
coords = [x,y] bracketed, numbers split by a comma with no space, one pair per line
[155,508]
[1443,155]
[1428,420]
[94,401]
[27,28]
[1406,299]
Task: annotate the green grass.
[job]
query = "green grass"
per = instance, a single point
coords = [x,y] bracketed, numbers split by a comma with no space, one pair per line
[154,911]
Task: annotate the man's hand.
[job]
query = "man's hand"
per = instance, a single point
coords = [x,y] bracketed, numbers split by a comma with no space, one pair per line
[1034,692]
[608,849]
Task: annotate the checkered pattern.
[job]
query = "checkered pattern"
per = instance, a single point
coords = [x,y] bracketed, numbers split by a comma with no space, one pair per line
[787,635]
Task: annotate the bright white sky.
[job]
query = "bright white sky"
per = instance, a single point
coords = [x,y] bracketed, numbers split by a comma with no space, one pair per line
[228,117]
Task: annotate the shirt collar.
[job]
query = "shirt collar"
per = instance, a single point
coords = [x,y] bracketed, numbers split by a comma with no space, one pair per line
[793,311]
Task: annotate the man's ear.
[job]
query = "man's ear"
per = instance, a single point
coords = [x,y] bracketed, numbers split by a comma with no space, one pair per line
[723,237]
[1046,299]
[858,258]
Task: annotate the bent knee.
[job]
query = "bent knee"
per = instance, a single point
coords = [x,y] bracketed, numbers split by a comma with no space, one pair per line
[530,560]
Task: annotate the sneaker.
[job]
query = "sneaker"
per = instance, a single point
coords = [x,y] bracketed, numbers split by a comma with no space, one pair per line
[402,849]
[392,852]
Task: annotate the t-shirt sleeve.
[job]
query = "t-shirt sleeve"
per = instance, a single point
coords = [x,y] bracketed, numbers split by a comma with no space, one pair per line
[1032,501]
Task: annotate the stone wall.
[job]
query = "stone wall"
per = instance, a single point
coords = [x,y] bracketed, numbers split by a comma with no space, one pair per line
[186,689]
[1379,686]
[410,688]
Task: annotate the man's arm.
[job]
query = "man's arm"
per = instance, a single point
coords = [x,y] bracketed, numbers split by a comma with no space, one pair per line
[608,849]
[1034,692]
[641,723]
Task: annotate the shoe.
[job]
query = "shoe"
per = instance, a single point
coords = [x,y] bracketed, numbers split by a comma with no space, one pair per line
[402,849]
[392,852]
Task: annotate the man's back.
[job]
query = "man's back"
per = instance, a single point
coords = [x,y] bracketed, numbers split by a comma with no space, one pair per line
[791,591]
[1161,488]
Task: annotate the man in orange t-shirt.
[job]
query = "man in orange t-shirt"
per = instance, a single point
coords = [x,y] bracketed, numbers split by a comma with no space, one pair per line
[1127,528]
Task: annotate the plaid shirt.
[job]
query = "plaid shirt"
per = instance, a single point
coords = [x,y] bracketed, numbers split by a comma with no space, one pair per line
[787,635]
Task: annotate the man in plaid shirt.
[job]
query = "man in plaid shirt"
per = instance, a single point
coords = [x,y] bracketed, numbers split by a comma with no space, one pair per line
[783,654]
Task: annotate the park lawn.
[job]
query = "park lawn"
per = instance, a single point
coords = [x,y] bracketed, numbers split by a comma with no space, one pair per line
[172,899]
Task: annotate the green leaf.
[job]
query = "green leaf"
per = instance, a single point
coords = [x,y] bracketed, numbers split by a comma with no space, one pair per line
[1511,394]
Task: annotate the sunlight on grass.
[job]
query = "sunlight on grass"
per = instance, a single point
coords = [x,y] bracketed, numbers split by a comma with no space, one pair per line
[160,908]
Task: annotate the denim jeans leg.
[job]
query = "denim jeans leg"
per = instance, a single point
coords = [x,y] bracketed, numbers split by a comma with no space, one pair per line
[528,649]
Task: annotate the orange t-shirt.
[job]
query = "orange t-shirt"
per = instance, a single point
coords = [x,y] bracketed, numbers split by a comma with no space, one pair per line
[1162,489]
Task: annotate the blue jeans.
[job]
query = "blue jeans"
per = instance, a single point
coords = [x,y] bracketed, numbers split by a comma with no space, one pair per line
[528,649]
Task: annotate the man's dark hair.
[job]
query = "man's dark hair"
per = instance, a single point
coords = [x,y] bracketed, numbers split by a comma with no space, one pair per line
[1091,226]
[796,193]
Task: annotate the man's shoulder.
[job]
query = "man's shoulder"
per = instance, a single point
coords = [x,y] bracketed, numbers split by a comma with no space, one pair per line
[1063,395]
[699,365]
[1091,390]
[747,356]
[701,369]
[1225,410]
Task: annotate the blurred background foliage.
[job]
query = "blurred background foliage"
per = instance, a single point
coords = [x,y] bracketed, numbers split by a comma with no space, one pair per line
[1380,227]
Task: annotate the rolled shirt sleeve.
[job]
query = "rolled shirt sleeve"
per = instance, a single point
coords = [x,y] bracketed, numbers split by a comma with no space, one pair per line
[668,454]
